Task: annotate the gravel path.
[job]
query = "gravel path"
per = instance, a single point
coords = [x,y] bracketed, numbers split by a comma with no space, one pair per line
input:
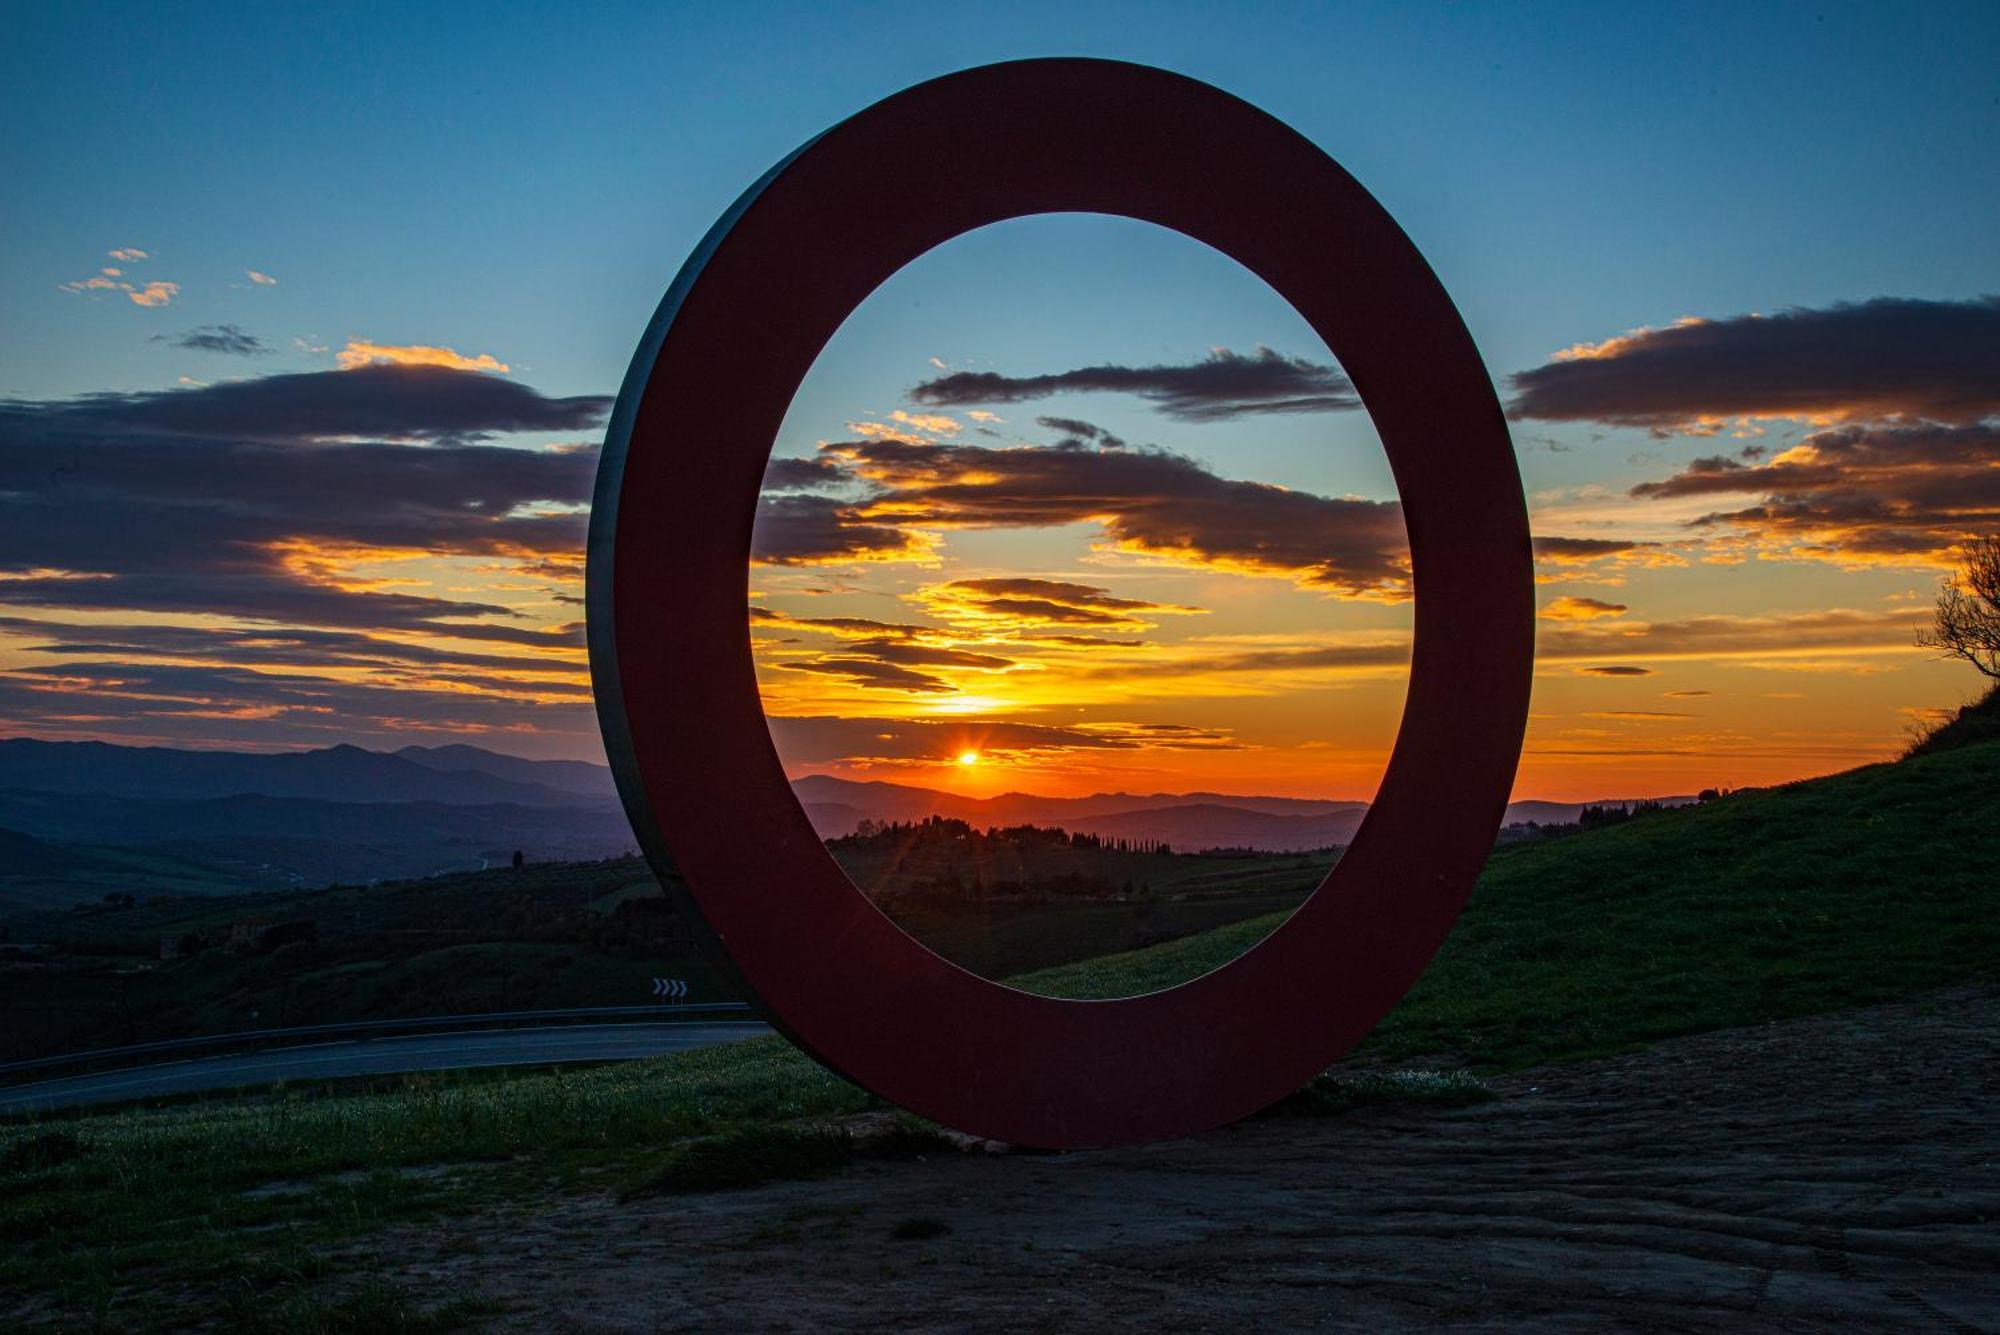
[1841,1171]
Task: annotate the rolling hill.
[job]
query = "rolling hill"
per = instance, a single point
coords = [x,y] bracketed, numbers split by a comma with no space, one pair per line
[459,775]
[1185,820]
[155,820]
[1861,887]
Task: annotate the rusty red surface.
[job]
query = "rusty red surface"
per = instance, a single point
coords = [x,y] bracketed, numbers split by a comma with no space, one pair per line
[669,626]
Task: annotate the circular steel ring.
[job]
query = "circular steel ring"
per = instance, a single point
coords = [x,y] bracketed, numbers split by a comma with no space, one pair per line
[668,608]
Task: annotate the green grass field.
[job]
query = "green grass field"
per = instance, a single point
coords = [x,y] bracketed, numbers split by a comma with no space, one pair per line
[1842,891]
[545,937]
[1866,886]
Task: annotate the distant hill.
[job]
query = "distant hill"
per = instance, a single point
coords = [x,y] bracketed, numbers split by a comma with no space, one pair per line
[1184,820]
[156,820]
[37,873]
[83,819]
[23,855]
[225,845]
[896,801]
[1820,895]
[1812,896]
[568,776]
[459,775]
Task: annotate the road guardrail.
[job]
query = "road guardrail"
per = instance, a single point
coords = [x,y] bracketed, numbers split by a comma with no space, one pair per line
[357,1029]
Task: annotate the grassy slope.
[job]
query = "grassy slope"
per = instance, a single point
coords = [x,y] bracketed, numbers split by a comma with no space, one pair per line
[1856,888]
[1864,886]
[501,940]
[120,1218]
[544,937]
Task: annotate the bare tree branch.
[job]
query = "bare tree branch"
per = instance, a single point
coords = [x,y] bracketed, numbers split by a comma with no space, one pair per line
[1967,622]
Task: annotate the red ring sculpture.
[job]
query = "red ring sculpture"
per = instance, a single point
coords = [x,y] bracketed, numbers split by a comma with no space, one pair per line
[669,628]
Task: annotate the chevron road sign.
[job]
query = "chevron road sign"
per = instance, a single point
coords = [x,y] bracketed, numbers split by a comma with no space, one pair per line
[670,989]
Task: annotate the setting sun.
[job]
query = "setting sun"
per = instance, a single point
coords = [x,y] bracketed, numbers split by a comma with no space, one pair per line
[968,757]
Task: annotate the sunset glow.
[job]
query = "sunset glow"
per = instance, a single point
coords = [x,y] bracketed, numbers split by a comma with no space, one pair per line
[1071,494]
[637,693]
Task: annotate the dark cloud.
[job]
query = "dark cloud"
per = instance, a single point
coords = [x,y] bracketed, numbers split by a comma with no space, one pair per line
[377,402]
[863,628]
[1222,386]
[1598,558]
[267,646]
[1078,641]
[1149,502]
[818,530]
[224,338]
[1584,549]
[803,475]
[872,673]
[1896,494]
[1003,619]
[907,654]
[239,502]
[900,658]
[222,703]
[1889,357]
[1017,605]
[262,595]
[1835,631]
[1169,736]
[236,527]
[1310,658]
[1076,429]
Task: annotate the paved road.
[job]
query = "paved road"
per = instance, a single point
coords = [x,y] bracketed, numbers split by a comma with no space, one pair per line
[380,1056]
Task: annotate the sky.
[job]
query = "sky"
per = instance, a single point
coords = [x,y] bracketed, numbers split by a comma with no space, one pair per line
[311,319]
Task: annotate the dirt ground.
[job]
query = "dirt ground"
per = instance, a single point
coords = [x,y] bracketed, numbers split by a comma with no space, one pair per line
[1836,1172]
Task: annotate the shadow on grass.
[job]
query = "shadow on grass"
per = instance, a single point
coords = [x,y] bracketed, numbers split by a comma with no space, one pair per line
[747,1156]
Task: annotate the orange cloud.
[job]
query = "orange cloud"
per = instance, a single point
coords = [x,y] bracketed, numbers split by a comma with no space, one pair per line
[1853,496]
[153,294]
[936,424]
[1885,358]
[1581,609]
[1165,507]
[1561,560]
[111,279]
[1622,344]
[818,530]
[846,628]
[361,352]
[1003,606]
[1792,641]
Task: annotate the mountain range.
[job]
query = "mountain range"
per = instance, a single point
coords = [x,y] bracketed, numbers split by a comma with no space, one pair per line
[79,820]
[455,775]
[1191,821]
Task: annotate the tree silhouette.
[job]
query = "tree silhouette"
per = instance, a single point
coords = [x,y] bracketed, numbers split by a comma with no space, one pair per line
[1967,621]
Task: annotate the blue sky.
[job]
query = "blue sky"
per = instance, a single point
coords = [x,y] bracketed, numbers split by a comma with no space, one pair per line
[520,183]
[528,178]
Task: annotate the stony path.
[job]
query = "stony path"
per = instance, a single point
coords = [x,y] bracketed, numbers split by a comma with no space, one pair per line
[1837,1172]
